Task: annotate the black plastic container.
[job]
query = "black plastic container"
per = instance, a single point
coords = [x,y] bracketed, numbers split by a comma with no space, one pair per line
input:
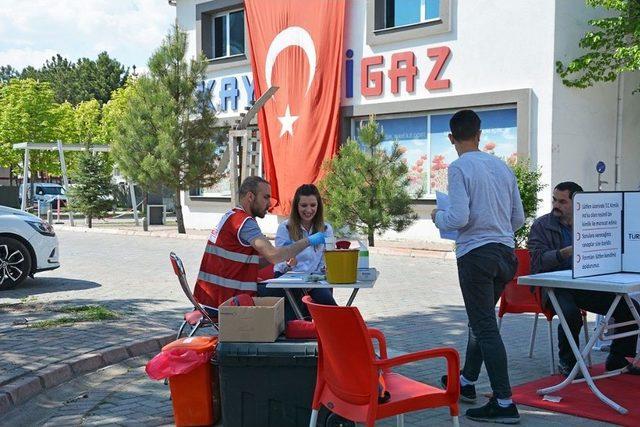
[267,384]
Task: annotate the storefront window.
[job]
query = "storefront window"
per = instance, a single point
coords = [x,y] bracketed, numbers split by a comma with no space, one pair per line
[428,152]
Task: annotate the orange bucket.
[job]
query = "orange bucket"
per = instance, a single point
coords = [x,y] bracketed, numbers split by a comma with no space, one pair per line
[342,265]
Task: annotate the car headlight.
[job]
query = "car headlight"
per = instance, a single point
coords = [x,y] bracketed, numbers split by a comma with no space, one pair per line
[42,227]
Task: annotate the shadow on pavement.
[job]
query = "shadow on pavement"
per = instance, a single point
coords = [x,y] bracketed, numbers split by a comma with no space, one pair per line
[45,285]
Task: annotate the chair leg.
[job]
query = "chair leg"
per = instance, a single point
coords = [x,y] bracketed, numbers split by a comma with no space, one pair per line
[552,359]
[456,421]
[195,328]
[533,336]
[314,418]
[184,323]
[400,420]
[585,326]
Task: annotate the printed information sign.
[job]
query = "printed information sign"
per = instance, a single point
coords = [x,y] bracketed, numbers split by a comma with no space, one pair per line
[606,233]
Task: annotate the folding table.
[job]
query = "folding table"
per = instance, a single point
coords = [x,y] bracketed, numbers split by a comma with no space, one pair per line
[621,284]
[296,280]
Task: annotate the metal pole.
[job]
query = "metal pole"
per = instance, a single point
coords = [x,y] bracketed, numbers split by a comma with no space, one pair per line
[134,202]
[25,179]
[65,180]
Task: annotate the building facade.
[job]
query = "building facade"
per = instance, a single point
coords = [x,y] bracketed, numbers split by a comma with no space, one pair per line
[413,63]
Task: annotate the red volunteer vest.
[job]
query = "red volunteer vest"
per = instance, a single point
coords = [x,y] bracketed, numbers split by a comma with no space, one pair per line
[228,267]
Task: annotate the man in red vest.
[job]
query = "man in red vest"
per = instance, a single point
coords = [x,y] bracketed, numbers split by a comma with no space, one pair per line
[236,248]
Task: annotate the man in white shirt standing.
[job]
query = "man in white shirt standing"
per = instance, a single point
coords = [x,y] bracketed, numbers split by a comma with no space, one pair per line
[485,210]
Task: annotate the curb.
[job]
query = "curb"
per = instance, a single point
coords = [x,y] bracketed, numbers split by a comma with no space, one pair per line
[447,255]
[23,388]
[120,231]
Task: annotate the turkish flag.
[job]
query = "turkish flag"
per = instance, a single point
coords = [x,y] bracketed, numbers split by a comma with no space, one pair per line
[297,46]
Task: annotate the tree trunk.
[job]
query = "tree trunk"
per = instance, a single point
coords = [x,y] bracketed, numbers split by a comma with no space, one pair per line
[370,232]
[179,217]
[89,222]
[145,200]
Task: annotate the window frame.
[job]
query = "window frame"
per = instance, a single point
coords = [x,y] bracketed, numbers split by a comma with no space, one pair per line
[378,33]
[227,15]
[205,13]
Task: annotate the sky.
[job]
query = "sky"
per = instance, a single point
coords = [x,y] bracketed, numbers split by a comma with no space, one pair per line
[32,31]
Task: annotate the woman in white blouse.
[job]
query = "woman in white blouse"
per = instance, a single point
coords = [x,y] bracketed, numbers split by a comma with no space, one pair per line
[307,217]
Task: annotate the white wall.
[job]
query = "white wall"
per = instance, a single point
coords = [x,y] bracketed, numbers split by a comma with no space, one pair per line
[585,120]
[497,46]
[630,162]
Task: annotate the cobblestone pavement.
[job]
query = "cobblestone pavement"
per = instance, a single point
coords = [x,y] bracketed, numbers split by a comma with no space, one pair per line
[416,303]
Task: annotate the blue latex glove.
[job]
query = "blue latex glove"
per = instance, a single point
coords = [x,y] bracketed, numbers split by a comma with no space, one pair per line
[316,239]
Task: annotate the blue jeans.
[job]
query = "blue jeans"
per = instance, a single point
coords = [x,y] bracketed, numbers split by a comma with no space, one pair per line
[483,274]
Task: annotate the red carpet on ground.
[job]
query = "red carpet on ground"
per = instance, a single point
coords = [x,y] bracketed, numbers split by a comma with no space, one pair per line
[579,400]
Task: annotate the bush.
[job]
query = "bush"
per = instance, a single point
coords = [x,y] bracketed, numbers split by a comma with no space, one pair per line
[530,186]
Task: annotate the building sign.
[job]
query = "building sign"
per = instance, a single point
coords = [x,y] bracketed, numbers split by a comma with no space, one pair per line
[401,69]
[229,94]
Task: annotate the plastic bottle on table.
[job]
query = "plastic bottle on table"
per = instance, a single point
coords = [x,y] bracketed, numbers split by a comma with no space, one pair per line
[363,255]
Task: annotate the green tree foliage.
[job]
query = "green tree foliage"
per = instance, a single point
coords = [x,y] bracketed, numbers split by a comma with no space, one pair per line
[7,72]
[92,189]
[28,113]
[81,81]
[366,187]
[613,47]
[165,132]
[530,186]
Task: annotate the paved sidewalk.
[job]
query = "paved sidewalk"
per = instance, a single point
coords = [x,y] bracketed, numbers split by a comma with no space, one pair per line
[122,395]
[416,303]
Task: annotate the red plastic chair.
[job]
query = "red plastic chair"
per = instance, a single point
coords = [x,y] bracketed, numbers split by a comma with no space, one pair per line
[348,371]
[198,317]
[518,299]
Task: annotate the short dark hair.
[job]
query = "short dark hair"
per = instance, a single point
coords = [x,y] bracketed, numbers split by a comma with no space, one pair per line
[250,185]
[464,125]
[570,186]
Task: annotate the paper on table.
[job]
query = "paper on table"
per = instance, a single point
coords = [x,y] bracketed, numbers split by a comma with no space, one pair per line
[442,202]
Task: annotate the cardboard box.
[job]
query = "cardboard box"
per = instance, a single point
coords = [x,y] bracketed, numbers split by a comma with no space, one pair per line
[263,322]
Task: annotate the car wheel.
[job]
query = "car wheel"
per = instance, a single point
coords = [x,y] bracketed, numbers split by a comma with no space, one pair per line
[15,263]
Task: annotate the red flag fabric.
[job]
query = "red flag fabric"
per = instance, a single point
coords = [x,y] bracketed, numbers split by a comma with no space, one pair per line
[296,45]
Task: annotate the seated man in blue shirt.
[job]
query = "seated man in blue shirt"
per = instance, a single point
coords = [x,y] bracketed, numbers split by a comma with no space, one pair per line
[551,247]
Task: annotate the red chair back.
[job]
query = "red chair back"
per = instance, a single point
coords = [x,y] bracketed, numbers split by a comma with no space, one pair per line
[521,299]
[346,354]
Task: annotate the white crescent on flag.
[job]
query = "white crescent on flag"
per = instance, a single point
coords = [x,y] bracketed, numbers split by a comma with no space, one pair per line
[290,36]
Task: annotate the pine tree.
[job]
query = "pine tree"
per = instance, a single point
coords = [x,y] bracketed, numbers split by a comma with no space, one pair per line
[166,134]
[366,186]
[92,191]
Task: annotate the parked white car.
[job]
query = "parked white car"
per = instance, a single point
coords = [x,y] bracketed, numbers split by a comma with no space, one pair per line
[28,245]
